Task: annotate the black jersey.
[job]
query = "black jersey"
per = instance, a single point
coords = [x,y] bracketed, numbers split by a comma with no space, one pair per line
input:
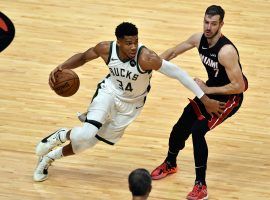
[217,75]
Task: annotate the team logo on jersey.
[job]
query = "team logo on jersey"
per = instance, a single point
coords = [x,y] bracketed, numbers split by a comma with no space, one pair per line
[7,31]
[132,63]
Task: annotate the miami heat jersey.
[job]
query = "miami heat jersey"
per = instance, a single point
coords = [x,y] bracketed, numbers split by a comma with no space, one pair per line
[126,79]
[217,75]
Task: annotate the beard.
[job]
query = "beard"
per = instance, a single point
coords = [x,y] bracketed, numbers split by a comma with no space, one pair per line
[211,36]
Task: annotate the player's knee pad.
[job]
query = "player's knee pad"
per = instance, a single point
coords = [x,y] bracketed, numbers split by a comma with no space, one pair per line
[83,137]
[77,148]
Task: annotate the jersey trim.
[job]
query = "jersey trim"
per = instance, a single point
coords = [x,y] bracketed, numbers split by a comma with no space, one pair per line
[137,61]
[110,54]
[233,102]
[103,140]
[99,86]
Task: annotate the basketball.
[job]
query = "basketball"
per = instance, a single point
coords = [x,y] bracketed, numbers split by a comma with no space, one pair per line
[67,83]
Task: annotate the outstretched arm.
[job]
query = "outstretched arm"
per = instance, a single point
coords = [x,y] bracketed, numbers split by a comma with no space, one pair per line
[149,60]
[79,59]
[190,43]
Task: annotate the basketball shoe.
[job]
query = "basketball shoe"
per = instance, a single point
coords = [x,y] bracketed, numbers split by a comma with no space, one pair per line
[41,172]
[163,170]
[49,142]
[199,192]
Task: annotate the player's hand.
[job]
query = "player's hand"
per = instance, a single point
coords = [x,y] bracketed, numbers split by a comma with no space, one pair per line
[52,75]
[213,106]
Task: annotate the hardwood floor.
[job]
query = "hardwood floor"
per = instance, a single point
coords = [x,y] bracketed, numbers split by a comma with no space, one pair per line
[49,32]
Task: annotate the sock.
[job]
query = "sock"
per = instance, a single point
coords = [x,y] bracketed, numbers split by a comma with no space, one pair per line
[63,136]
[200,175]
[55,154]
[171,158]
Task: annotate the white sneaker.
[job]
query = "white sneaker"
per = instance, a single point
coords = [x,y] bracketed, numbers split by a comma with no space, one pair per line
[41,172]
[49,142]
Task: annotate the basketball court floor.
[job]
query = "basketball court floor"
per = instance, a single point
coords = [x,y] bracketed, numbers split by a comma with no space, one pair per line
[48,32]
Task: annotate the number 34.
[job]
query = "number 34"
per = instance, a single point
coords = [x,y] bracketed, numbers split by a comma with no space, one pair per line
[128,87]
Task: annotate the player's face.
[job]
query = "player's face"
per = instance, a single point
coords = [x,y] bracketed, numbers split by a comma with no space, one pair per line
[211,26]
[128,46]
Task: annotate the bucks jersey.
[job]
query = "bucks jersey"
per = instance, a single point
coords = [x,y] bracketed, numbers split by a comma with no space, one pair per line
[126,79]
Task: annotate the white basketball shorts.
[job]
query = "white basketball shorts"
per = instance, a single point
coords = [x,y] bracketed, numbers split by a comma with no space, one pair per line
[113,113]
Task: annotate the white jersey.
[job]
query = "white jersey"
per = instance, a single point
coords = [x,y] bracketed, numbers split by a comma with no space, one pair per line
[126,79]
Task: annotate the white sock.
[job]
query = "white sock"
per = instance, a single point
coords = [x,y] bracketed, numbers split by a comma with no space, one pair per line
[63,136]
[56,154]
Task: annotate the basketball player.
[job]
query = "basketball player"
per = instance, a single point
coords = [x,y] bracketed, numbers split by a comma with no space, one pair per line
[140,184]
[119,98]
[225,83]
[7,31]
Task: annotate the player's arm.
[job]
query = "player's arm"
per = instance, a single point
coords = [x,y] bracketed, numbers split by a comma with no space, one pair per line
[79,59]
[149,60]
[190,43]
[228,57]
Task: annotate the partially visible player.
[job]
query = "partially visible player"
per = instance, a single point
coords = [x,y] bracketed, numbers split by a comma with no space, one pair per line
[140,184]
[7,31]
[225,83]
[119,98]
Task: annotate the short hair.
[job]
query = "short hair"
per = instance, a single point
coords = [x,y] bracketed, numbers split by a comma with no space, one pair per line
[125,29]
[215,10]
[139,182]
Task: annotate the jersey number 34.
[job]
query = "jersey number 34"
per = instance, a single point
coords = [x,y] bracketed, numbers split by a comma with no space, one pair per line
[128,87]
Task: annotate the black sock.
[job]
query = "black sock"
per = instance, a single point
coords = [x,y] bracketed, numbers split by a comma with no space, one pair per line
[171,158]
[200,174]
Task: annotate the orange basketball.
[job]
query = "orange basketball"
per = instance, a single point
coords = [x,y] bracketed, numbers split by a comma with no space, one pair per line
[67,83]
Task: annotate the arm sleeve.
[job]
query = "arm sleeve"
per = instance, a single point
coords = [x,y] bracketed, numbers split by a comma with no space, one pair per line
[173,71]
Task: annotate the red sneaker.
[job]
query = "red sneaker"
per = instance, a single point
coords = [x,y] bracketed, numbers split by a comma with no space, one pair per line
[199,192]
[163,170]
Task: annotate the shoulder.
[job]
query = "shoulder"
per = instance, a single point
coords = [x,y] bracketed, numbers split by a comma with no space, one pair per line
[103,47]
[227,51]
[195,39]
[196,36]
[148,59]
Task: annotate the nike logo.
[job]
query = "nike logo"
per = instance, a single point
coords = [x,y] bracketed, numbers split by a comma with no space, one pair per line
[204,48]
[137,107]
[44,140]
[114,59]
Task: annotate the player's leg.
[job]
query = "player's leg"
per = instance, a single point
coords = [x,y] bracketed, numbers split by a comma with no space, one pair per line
[48,143]
[81,137]
[178,136]
[200,148]
[122,116]
[100,101]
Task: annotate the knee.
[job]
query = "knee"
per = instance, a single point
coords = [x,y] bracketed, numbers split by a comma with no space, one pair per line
[200,128]
[197,133]
[83,137]
[84,133]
